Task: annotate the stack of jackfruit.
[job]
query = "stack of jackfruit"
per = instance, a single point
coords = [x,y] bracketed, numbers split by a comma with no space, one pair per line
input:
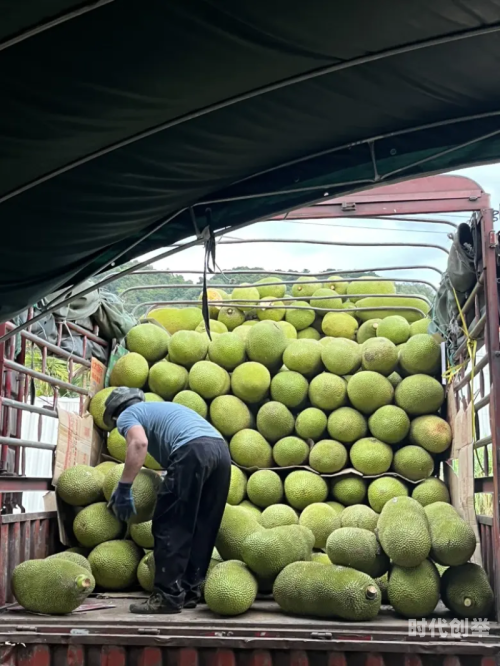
[332,421]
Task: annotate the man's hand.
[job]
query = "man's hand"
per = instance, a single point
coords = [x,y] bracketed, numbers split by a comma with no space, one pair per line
[122,502]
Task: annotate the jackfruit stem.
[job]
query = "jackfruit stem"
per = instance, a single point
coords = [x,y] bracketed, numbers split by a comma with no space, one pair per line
[467,602]
[82,582]
[371,592]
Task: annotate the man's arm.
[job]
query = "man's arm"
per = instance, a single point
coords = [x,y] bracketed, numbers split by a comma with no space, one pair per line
[137,448]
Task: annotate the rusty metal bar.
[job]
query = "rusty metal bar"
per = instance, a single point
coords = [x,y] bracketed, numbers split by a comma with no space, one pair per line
[28,443]
[295,273]
[19,484]
[472,296]
[483,484]
[482,403]
[27,407]
[474,334]
[12,365]
[40,342]
[86,333]
[482,363]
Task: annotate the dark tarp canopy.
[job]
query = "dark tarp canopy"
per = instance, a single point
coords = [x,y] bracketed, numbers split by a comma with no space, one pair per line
[117,115]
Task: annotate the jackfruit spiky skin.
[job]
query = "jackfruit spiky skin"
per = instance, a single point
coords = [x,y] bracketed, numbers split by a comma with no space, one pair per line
[149,340]
[237,486]
[341,356]
[390,424]
[326,299]
[250,382]
[167,379]
[466,591]
[114,564]
[227,350]
[359,515]
[97,406]
[311,423]
[231,317]
[368,391]
[265,488]
[303,488]
[54,586]
[322,520]
[95,524]
[117,448]
[370,456]
[358,549]
[142,534]
[328,456]
[367,330]
[309,333]
[216,328]
[105,467]
[267,287]
[313,589]
[362,287]
[301,316]
[230,589]
[290,389]
[390,303]
[229,415]
[269,551]
[146,572]
[327,391]
[187,348]
[290,451]
[413,462]
[431,432]
[73,557]
[80,485]
[275,421]
[453,540]
[177,319]
[430,491]
[347,425]
[266,343]
[144,490]
[209,380]
[340,325]
[245,292]
[130,370]
[395,328]
[249,449]
[303,356]
[277,515]
[421,355]
[381,490]
[403,531]
[304,290]
[419,394]
[414,592]
[250,508]
[420,326]
[349,490]
[237,523]
[271,309]
[193,401]
[379,355]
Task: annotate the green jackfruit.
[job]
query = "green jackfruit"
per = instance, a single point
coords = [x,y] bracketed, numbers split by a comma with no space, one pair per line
[301,316]
[414,592]
[419,394]
[144,491]
[347,425]
[359,515]
[148,340]
[227,350]
[209,380]
[97,406]
[341,356]
[431,432]
[395,328]
[130,370]
[277,515]
[367,330]
[96,524]
[269,551]
[114,564]
[80,485]
[381,490]
[379,355]
[309,334]
[328,456]
[303,356]
[413,462]
[244,293]
[271,309]
[76,558]
[142,534]
[250,382]
[362,287]
[325,299]
[340,325]
[177,319]
[370,456]
[105,467]
[358,549]
[403,531]
[290,451]
[229,415]
[193,401]
[237,523]
[237,486]
[230,589]
[453,540]
[322,520]
[419,326]
[146,572]
[389,304]
[267,287]
[250,508]
[327,391]
[275,421]
[231,317]
[289,388]
[311,423]
[349,490]
[304,286]
[466,591]
[390,424]
[187,348]
[266,343]
[421,355]
[265,488]
[303,488]
[430,491]
[368,391]
[249,449]
[167,379]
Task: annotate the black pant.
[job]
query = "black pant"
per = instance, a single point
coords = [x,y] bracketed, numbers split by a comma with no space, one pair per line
[187,517]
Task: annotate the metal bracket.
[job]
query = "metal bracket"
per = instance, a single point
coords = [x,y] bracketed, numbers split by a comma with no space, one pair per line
[349,207]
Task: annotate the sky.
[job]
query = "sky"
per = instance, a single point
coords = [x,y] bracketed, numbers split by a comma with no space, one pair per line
[315,258]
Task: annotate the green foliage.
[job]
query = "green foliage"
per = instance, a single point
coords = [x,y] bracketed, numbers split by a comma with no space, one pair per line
[56,368]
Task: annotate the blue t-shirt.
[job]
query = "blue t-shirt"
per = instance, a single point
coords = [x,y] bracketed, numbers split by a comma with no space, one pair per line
[167,425]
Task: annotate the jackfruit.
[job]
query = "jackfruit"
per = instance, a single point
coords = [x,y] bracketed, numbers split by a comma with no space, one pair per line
[230,589]
[242,332]
[420,326]
[466,591]
[453,540]
[336,506]
[167,379]
[380,491]
[117,448]
[370,456]
[337,283]
[326,299]
[177,319]
[368,330]
[53,586]
[187,348]
[216,328]
[95,524]
[431,432]
[311,423]
[379,355]
[231,317]
[209,380]
[340,325]
[328,392]
[395,328]
[395,379]
[313,589]
[237,486]
[301,316]
[390,424]
[277,515]
[265,488]
[413,462]
[97,406]
[309,333]
[242,294]
[368,391]
[322,558]
[349,490]
[114,564]
[269,286]
[403,531]
[430,491]
[322,520]
[193,401]
[250,508]
[269,551]
[105,467]
[229,415]
[142,534]
[359,515]
[80,485]
[288,329]
[266,343]
[383,583]
[362,287]
[249,449]
[299,289]
[271,309]
[414,592]
[328,456]
[389,304]
[274,421]
[237,523]
[290,451]
[303,488]
[146,572]
[341,356]
[250,382]
[421,355]
[76,558]
[148,340]
[144,490]
[290,389]
[130,370]
[419,394]
[303,356]
[346,425]
[358,549]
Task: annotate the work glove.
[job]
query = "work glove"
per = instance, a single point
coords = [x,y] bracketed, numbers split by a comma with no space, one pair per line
[122,502]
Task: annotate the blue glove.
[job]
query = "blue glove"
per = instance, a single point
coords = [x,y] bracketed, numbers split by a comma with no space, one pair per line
[122,502]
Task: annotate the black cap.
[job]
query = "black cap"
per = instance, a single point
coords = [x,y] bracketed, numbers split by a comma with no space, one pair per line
[121,398]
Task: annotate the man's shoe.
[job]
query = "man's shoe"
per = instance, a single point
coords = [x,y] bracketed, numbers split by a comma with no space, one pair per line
[192,603]
[155,605]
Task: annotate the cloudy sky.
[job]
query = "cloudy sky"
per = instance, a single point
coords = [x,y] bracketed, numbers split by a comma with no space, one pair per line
[315,258]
